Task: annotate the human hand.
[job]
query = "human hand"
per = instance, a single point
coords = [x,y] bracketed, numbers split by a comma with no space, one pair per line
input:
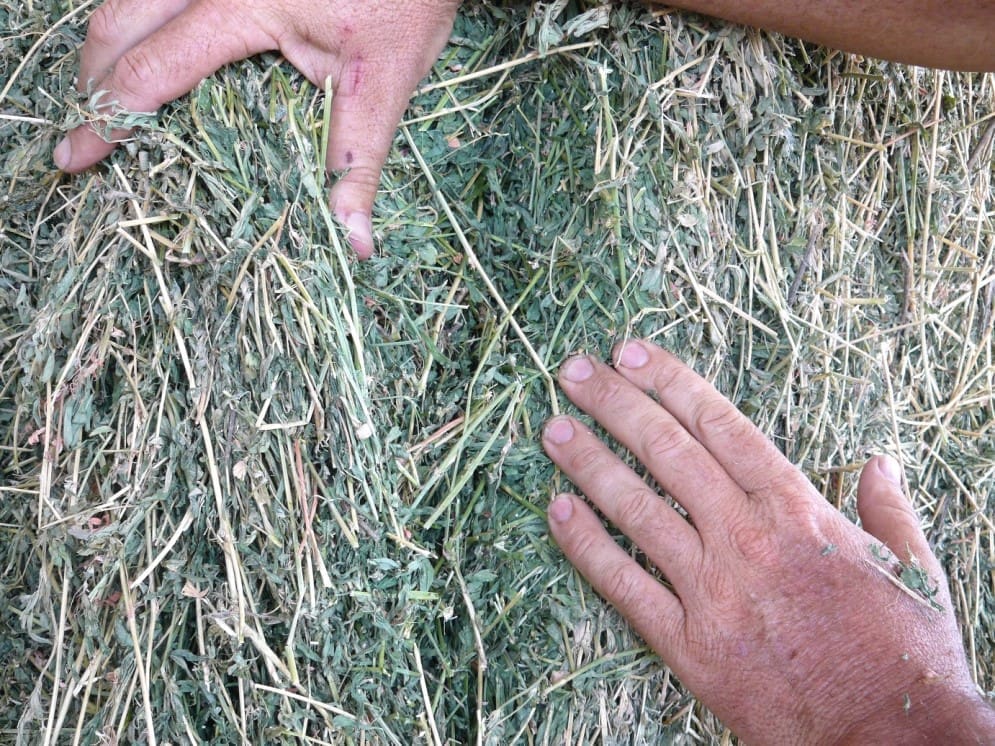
[143,54]
[792,624]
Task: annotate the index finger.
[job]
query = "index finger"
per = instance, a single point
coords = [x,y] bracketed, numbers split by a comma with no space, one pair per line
[739,446]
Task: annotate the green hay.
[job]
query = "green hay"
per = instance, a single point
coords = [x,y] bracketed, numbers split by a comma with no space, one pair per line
[253,492]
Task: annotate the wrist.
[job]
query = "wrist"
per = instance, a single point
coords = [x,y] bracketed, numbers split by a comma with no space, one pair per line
[954,717]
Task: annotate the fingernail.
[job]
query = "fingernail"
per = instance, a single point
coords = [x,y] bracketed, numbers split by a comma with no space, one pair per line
[360,232]
[577,369]
[633,355]
[558,431]
[63,154]
[561,509]
[890,469]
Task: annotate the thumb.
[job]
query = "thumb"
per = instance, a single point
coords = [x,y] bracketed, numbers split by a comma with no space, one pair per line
[887,514]
[369,101]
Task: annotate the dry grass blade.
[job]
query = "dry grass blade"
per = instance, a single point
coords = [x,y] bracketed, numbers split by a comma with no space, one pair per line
[254,492]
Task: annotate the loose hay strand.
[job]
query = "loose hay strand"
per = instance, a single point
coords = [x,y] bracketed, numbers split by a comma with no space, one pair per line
[272,495]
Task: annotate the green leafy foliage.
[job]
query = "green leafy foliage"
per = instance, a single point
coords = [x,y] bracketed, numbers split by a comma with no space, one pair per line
[251,491]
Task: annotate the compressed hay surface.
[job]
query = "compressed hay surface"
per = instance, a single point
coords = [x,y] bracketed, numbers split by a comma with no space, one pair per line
[251,491]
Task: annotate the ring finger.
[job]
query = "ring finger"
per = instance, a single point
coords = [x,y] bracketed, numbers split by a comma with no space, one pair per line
[668,539]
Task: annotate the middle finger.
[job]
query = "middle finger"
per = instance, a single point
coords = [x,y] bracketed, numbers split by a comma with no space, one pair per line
[626,500]
[117,26]
[678,462]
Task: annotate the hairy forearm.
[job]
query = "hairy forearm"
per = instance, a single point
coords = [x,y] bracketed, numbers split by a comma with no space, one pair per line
[958,35]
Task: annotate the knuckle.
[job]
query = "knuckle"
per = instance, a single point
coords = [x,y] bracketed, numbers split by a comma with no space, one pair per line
[788,489]
[664,443]
[104,26]
[607,389]
[668,375]
[364,176]
[637,508]
[899,519]
[582,543]
[898,515]
[753,542]
[136,72]
[586,458]
[716,417]
[622,586]
[358,185]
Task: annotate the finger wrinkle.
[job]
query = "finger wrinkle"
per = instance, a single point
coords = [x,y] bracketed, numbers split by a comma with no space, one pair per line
[668,376]
[605,390]
[665,445]
[624,585]
[357,176]
[718,417]
[104,26]
[136,73]
[639,508]
[588,460]
[578,540]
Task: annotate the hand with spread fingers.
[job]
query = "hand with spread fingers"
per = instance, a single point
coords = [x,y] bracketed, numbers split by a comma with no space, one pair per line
[791,623]
[138,55]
